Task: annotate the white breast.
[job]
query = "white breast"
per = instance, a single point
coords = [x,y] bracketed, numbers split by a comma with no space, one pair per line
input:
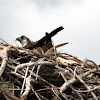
[24,43]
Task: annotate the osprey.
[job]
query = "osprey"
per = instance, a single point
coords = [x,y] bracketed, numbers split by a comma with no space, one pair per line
[25,42]
[45,41]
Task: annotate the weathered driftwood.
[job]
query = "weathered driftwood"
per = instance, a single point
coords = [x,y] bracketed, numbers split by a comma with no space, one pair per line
[4,57]
[35,75]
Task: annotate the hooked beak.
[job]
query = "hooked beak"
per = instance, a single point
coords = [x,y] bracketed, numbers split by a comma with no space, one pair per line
[19,39]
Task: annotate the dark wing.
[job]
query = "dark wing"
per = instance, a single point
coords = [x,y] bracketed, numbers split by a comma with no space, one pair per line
[54,32]
[47,38]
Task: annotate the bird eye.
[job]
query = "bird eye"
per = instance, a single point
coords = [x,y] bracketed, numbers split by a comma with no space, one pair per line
[24,37]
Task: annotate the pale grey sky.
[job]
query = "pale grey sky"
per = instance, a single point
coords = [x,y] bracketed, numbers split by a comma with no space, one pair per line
[80,18]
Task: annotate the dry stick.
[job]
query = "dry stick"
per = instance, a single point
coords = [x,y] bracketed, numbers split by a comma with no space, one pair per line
[27,89]
[24,79]
[34,63]
[97,87]
[49,89]
[15,89]
[18,75]
[93,63]
[81,98]
[73,80]
[74,72]
[60,68]
[4,41]
[43,89]
[32,71]
[94,96]
[39,67]
[71,86]
[56,94]
[70,56]
[36,93]
[5,58]
[84,62]
[55,52]
[37,96]
[38,71]
[54,49]
[43,98]
[15,42]
[62,76]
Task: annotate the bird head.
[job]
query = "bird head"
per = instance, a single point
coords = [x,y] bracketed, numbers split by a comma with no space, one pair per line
[23,40]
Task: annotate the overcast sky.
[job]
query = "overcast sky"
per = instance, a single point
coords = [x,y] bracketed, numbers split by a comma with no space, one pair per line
[80,18]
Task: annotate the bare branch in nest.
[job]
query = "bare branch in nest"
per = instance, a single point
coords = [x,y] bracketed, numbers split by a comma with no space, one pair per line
[41,60]
[97,87]
[15,42]
[34,63]
[24,79]
[73,80]
[37,96]
[27,89]
[4,56]
[18,75]
[4,41]
[38,70]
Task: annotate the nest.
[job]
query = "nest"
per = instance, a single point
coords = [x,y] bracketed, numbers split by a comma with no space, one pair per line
[34,75]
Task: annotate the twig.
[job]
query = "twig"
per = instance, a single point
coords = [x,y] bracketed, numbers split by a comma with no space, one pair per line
[73,80]
[97,87]
[42,97]
[4,41]
[84,62]
[94,96]
[15,89]
[18,75]
[32,71]
[93,63]
[5,58]
[15,42]
[34,63]
[37,96]
[71,85]
[27,89]
[62,76]
[41,60]
[79,95]
[56,94]
[24,79]
[38,70]
[74,72]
